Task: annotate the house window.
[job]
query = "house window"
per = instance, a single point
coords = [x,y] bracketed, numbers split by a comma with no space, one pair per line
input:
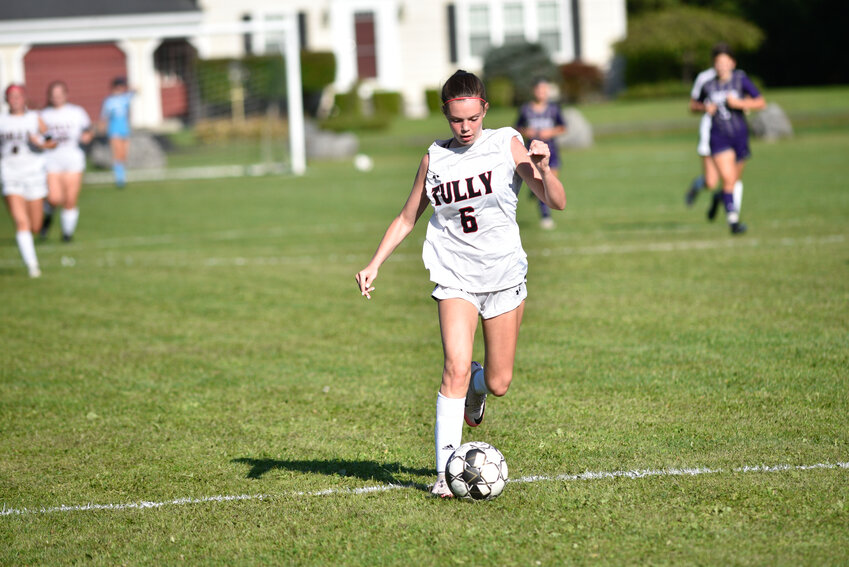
[275,40]
[514,22]
[479,40]
[548,13]
[366,41]
[499,22]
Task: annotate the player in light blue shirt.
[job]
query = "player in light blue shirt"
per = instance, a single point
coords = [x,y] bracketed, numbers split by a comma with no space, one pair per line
[115,119]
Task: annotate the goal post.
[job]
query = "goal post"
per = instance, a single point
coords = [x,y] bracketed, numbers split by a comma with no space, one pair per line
[291,53]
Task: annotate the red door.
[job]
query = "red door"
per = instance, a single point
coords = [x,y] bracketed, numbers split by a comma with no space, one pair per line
[366,45]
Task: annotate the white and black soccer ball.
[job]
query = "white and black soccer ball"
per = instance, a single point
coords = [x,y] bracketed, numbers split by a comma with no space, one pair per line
[476,470]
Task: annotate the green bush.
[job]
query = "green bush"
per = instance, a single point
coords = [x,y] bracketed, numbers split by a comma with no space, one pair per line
[520,63]
[265,76]
[500,92]
[433,98]
[318,69]
[388,103]
[581,81]
[213,80]
[661,89]
[676,43]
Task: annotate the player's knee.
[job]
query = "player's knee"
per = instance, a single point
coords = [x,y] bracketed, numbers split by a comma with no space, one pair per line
[499,384]
[455,376]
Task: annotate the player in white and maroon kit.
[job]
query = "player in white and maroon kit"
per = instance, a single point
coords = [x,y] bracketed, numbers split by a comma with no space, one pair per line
[22,172]
[710,177]
[473,252]
[69,126]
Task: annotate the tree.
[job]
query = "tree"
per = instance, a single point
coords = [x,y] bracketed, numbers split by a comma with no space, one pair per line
[675,43]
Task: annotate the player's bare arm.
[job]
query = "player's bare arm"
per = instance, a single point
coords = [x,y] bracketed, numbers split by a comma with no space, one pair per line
[532,166]
[398,230]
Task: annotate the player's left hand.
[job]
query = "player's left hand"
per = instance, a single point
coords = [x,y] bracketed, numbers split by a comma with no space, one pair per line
[733,102]
[539,154]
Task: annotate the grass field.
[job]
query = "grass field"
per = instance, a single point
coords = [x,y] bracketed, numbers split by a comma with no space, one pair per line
[196,380]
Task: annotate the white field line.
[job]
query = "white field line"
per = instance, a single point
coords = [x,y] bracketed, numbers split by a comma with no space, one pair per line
[170,258]
[589,475]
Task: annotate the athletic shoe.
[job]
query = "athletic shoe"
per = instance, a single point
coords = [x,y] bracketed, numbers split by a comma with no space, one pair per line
[546,223]
[714,205]
[34,272]
[45,225]
[67,238]
[440,488]
[475,403]
[693,192]
[738,228]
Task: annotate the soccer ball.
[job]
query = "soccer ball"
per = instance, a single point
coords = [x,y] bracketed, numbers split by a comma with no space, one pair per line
[476,470]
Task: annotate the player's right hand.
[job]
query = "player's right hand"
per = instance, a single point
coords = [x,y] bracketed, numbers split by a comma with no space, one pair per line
[364,279]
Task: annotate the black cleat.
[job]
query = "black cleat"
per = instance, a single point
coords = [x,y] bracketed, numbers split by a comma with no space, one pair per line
[692,192]
[738,228]
[67,238]
[45,226]
[714,205]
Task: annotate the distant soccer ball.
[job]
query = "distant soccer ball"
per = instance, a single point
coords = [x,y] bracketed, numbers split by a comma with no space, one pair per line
[362,162]
[476,470]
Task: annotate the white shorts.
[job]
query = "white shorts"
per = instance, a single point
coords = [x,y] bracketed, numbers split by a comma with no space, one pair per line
[704,135]
[70,160]
[489,304]
[31,188]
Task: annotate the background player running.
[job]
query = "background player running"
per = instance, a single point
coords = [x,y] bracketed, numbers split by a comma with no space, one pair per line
[726,98]
[115,119]
[542,120]
[473,252]
[69,126]
[22,172]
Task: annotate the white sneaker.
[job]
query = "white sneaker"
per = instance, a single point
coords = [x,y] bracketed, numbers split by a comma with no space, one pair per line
[440,488]
[475,403]
[547,223]
[34,272]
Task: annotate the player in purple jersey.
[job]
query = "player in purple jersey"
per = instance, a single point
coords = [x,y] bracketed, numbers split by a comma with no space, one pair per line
[541,119]
[727,98]
[473,252]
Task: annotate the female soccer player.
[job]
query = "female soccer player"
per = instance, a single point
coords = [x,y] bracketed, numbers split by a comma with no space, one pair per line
[22,172]
[709,177]
[541,119]
[69,126]
[473,252]
[726,98]
[115,119]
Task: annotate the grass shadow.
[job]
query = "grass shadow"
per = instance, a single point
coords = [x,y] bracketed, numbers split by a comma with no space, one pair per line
[365,470]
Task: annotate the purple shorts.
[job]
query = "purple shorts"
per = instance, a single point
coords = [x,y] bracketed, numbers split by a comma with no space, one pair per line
[720,142]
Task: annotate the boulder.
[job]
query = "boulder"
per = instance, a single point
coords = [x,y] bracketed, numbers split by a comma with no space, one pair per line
[579,132]
[321,144]
[771,123]
[145,152]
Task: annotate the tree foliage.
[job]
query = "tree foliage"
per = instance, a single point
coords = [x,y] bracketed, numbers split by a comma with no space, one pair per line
[676,43]
[519,63]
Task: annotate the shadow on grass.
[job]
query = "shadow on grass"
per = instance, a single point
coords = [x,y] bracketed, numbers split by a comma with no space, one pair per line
[365,470]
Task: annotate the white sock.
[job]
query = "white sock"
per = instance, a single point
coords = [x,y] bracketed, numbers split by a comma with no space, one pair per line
[27,248]
[479,382]
[738,195]
[69,220]
[449,428]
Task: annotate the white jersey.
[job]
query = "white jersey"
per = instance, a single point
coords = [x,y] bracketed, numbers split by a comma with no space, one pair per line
[18,159]
[65,125]
[473,241]
[703,148]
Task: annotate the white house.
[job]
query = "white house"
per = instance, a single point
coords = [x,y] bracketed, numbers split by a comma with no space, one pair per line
[399,45]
